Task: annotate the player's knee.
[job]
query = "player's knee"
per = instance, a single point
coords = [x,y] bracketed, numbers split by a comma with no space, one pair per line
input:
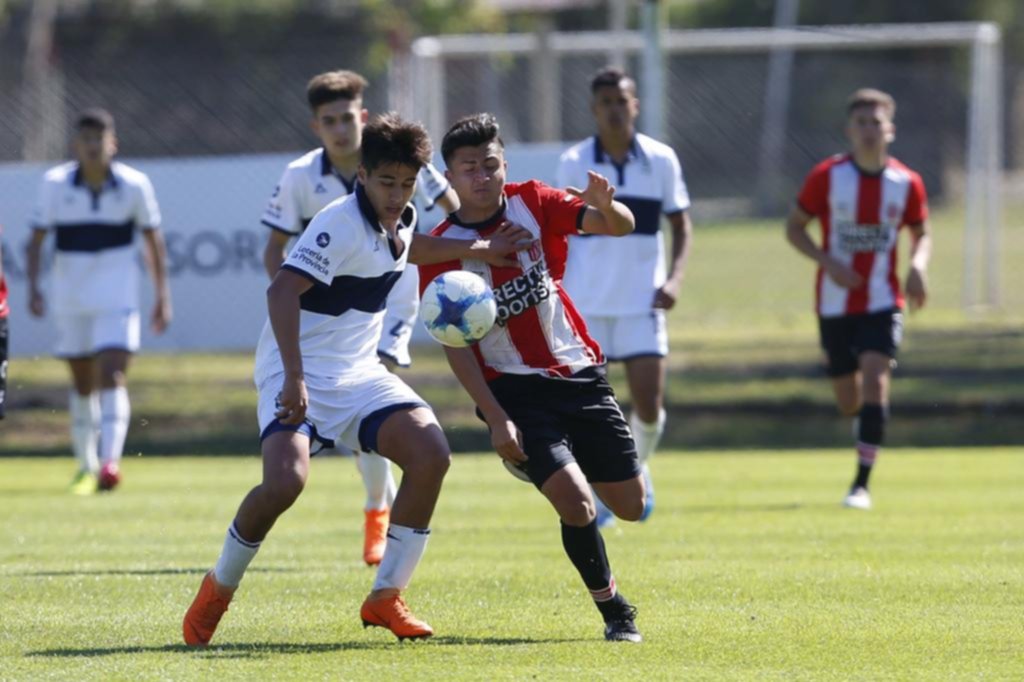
[282,490]
[430,462]
[578,513]
[849,408]
[631,509]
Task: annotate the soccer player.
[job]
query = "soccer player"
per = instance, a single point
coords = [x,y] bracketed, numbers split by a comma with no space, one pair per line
[3,333]
[310,183]
[319,378]
[620,285]
[861,200]
[95,206]
[537,378]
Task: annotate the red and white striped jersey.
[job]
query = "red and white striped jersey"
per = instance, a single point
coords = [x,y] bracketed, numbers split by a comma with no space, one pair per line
[861,215]
[539,330]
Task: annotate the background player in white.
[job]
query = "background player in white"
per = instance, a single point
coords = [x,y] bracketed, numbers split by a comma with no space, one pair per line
[620,285]
[309,184]
[95,206]
[320,380]
[861,200]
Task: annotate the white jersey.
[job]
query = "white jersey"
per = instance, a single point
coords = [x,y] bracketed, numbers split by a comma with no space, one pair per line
[619,275]
[94,268]
[310,182]
[353,265]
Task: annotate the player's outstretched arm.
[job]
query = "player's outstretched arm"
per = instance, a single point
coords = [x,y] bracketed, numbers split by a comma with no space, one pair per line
[156,261]
[603,215]
[283,308]
[499,248]
[796,235]
[920,255]
[273,252]
[33,256]
[505,437]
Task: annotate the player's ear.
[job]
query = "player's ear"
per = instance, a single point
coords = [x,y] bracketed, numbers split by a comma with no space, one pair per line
[890,133]
[314,125]
[364,115]
[362,174]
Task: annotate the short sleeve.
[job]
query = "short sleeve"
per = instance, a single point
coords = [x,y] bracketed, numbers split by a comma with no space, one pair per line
[563,213]
[282,212]
[320,254]
[42,211]
[147,211]
[431,185]
[813,197]
[675,196]
[916,211]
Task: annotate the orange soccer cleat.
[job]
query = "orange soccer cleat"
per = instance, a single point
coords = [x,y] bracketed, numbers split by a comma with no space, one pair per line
[207,608]
[392,613]
[375,535]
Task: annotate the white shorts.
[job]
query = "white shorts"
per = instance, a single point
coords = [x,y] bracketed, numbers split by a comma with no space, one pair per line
[625,337]
[80,336]
[402,307]
[347,410]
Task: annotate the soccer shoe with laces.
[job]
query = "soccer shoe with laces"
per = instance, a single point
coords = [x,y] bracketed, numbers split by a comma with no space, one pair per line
[393,614]
[110,476]
[858,498]
[621,625]
[375,535]
[84,483]
[206,610]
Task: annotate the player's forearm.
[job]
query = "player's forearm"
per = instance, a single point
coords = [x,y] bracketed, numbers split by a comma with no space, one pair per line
[921,250]
[618,219]
[158,262]
[428,250]
[796,235]
[33,256]
[682,239]
[467,371]
[283,309]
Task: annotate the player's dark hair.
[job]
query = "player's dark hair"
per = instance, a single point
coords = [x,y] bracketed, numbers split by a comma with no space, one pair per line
[95,119]
[870,97]
[390,139]
[331,86]
[613,77]
[470,131]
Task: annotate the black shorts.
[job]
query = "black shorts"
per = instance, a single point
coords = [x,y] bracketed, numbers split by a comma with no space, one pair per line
[569,420]
[844,338]
[3,364]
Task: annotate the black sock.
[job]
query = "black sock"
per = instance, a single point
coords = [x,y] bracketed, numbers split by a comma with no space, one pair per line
[585,548]
[870,434]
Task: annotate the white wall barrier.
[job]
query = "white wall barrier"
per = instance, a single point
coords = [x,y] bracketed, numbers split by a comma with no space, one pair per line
[211,209]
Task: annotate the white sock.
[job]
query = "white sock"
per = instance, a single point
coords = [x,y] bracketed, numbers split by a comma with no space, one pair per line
[401,556]
[234,558]
[116,412]
[376,471]
[647,436]
[392,489]
[85,421]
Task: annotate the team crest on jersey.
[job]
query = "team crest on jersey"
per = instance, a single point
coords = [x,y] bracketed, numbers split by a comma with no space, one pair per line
[535,251]
[320,189]
[323,239]
[892,211]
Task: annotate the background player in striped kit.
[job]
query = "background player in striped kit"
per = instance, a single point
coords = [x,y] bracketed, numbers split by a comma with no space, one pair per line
[861,200]
[625,299]
[307,185]
[95,206]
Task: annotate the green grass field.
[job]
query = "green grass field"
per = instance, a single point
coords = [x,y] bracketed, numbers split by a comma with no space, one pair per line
[749,569]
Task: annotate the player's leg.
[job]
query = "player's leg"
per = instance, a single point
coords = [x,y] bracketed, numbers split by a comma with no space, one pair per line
[410,437]
[3,365]
[646,377]
[379,485]
[115,338]
[602,329]
[74,344]
[285,470]
[872,419]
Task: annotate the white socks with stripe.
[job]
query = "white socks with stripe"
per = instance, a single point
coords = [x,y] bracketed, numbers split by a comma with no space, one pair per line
[115,414]
[85,423]
[647,436]
[377,479]
[234,558]
[401,557]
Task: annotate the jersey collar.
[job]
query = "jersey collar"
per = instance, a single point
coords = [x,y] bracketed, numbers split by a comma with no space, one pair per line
[635,151]
[482,224]
[78,180]
[370,214]
[327,168]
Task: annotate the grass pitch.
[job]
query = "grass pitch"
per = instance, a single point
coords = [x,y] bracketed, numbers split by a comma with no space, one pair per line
[749,569]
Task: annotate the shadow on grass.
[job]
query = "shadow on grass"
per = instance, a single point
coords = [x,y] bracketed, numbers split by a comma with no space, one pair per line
[261,649]
[140,571]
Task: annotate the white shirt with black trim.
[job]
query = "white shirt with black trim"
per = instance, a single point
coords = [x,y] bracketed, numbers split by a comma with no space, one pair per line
[95,268]
[353,264]
[614,276]
[310,183]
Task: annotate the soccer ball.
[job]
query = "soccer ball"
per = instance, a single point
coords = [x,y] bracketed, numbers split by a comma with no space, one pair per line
[458,308]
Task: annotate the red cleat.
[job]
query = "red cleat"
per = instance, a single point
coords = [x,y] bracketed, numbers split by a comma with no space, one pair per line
[110,476]
[207,608]
[392,613]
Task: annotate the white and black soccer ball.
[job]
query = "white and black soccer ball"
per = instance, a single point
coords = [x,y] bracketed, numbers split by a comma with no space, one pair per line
[458,308]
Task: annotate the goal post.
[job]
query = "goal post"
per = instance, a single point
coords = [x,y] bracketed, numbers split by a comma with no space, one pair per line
[452,75]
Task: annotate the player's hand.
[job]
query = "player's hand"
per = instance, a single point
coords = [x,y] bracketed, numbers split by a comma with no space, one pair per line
[507,440]
[599,193]
[502,245]
[666,295]
[917,288]
[162,314]
[292,401]
[841,274]
[36,303]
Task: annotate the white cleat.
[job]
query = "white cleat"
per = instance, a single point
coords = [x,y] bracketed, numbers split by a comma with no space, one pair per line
[858,498]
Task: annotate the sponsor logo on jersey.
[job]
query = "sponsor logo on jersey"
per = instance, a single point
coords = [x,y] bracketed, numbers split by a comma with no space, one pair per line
[857,238]
[320,189]
[312,259]
[518,295]
[323,239]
